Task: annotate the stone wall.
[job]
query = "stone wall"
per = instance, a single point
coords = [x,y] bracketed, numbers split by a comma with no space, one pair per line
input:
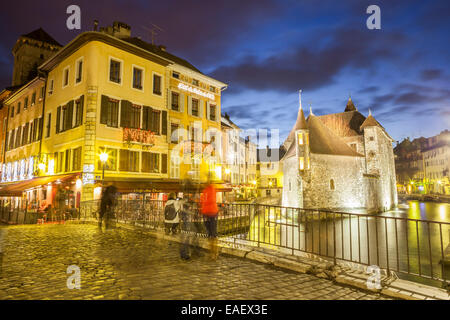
[380,161]
[346,174]
[292,184]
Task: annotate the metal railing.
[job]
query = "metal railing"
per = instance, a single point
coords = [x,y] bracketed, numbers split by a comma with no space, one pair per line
[413,249]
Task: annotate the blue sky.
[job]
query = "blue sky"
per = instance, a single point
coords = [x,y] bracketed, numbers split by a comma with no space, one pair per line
[267,50]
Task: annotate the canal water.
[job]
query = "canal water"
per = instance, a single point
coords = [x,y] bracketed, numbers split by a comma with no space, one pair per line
[409,241]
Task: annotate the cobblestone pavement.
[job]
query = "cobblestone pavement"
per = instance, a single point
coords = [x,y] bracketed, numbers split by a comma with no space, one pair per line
[124,264]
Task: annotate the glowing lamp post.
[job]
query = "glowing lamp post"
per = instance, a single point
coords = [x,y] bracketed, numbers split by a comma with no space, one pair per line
[103,159]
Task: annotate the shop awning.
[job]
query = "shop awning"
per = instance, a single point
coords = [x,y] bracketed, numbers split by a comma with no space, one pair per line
[15,189]
[137,185]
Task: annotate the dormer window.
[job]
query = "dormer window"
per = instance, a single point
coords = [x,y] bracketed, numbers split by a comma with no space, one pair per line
[175,75]
[195,82]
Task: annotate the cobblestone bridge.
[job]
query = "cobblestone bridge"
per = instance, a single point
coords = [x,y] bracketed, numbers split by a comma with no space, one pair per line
[124,264]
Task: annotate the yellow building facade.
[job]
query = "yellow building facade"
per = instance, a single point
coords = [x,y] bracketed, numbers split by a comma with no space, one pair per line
[152,113]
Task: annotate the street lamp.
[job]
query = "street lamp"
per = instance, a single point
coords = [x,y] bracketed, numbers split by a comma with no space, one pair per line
[103,159]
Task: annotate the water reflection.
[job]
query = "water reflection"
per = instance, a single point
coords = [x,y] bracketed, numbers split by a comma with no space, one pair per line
[413,209]
[403,246]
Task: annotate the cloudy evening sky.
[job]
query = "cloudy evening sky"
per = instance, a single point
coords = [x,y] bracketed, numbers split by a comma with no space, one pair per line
[267,50]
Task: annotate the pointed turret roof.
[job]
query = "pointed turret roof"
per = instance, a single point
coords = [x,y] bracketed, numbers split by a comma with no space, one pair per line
[300,124]
[371,122]
[350,105]
[41,35]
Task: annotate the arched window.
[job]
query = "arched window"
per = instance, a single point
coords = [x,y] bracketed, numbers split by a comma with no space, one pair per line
[332,187]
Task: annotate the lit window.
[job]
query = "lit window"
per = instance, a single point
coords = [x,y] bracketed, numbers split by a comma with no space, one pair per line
[300,138]
[212,112]
[195,107]
[175,101]
[114,71]
[79,71]
[66,77]
[137,78]
[302,163]
[156,84]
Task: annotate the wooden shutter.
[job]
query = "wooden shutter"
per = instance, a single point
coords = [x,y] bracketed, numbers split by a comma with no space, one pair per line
[201,107]
[41,127]
[164,123]
[181,101]
[58,119]
[164,163]
[190,106]
[147,118]
[80,111]
[123,164]
[104,109]
[169,99]
[69,118]
[125,113]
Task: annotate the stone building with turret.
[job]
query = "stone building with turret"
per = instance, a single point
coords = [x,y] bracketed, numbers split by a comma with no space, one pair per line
[340,161]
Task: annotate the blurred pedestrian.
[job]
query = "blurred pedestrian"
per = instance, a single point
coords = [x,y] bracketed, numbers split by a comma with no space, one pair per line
[107,204]
[171,217]
[190,219]
[209,210]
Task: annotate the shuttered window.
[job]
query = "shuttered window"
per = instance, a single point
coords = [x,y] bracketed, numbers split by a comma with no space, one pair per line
[49,125]
[129,160]
[130,115]
[195,106]
[67,161]
[18,132]
[67,116]
[163,163]
[156,84]
[114,71]
[150,162]
[175,101]
[109,113]
[58,119]
[212,112]
[79,111]
[76,162]
[35,130]
[151,120]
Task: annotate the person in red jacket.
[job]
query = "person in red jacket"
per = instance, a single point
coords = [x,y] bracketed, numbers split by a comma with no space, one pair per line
[209,210]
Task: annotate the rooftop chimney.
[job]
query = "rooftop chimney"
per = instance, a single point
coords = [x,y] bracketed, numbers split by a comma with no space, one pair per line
[95,25]
[162,48]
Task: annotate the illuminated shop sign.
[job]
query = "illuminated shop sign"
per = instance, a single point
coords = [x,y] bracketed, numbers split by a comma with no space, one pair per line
[185,87]
[18,170]
[88,175]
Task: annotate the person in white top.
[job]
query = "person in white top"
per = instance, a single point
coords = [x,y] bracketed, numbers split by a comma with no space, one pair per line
[171,214]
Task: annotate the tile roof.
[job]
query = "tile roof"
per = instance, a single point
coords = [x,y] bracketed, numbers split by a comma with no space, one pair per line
[41,35]
[344,124]
[158,51]
[322,140]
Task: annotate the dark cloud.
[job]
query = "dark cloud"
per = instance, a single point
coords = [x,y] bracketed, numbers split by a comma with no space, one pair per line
[307,68]
[412,98]
[202,32]
[370,89]
[430,74]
